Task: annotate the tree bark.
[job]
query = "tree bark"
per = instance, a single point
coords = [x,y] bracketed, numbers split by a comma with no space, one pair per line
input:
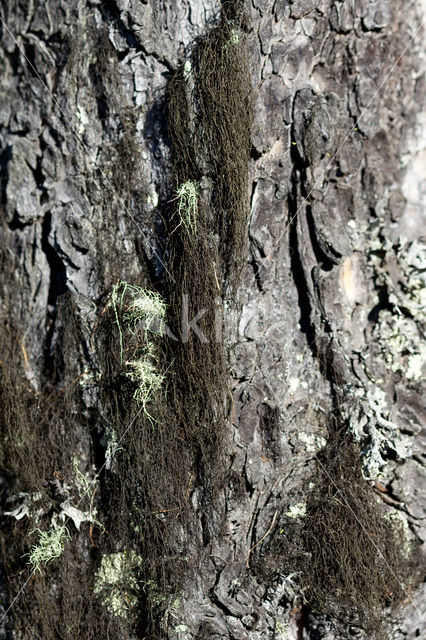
[321,331]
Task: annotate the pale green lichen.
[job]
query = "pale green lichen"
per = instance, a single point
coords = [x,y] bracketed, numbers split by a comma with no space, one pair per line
[187,69]
[235,36]
[181,628]
[49,546]
[156,596]
[297,510]
[399,330]
[399,269]
[146,307]
[400,523]
[143,372]
[187,206]
[175,605]
[312,441]
[116,582]
[141,306]
[402,350]
[83,481]
[89,378]
[282,629]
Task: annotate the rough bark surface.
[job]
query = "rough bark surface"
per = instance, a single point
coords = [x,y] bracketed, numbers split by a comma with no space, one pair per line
[330,308]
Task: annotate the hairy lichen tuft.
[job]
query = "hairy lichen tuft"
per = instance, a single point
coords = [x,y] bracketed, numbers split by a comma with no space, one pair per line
[145,374]
[147,307]
[50,545]
[135,305]
[187,197]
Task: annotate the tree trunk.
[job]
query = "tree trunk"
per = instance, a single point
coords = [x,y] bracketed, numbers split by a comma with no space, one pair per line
[213,289]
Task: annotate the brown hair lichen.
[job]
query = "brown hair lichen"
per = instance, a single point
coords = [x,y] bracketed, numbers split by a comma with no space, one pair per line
[345,556]
[148,457]
[209,112]
[209,107]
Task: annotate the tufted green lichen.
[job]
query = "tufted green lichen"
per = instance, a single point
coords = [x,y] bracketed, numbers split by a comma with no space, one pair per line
[282,628]
[187,197]
[147,307]
[49,546]
[134,305]
[144,373]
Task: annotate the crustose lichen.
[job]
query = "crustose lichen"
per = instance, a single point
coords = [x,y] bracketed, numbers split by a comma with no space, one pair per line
[116,582]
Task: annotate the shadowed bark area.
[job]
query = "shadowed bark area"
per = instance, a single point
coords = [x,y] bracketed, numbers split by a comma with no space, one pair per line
[212,319]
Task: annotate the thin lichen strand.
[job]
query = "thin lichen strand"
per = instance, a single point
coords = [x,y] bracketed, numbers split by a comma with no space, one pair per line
[187,197]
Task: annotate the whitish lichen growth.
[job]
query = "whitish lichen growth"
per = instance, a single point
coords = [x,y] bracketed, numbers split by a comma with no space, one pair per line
[145,374]
[372,427]
[50,545]
[399,269]
[312,441]
[152,199]
[141,306]
[111,442]
[399,331]
[181,628]
[187,69]
[402,350]
[297,510]
[187,197]
[282,629]
[235,36]
[116,582]
[26,506]
[400,523]
[68,512]
[83,119]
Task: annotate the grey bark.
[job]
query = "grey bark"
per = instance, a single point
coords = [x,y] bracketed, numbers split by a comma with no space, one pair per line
[334,250]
